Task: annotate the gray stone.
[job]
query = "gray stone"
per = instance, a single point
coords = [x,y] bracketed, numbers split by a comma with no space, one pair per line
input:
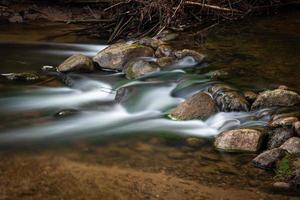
[278,97]
[240,140]
[292,145]
[267,159]
[278,136]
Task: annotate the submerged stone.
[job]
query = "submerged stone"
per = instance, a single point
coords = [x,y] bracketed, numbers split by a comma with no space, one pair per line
[24,76]
[278,136]
[117,55]
[193,142]
[187,52]
[292,145]
[139,68]
[267,159]
[240,140]
[277,97]
[77,62]
[198,106]
[66,113]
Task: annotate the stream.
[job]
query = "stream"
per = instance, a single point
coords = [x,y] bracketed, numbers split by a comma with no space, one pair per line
[136,132]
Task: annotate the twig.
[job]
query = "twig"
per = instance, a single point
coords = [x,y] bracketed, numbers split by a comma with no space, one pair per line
[213,7]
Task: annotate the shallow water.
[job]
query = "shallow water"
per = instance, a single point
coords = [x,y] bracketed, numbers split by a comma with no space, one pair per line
[137,133]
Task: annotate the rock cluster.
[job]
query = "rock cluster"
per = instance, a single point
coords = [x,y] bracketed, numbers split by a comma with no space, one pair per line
[136,59]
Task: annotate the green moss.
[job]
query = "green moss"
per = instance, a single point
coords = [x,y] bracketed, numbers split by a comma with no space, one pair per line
[284,170]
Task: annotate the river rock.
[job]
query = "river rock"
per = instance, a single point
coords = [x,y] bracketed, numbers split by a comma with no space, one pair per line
[250,96]
[165,61]
[77,62]
[282,186]
[277,97]
[123,94]
[286,121]
[139,68]
[292,145]
[194,142]
[198,106]
[240,140]
[17,18]
[219,75]
[278,136]
[66,113]
[150,42]
[167,35]
[24,76]
[187,52]
[267,159]
[228,99]
[296,126]
[115,56]
[164,51]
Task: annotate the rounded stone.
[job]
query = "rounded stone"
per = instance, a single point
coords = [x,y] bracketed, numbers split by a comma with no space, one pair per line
[198,106]
[240,140]
[77,62]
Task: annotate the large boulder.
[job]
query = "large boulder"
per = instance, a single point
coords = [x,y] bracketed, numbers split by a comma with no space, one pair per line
[138,68]
[240,140]
[278,97]
[228,99]
[292,145]
[198,106]
[278,136]
[267,159]
[77,62]
[117,55]
[187,52]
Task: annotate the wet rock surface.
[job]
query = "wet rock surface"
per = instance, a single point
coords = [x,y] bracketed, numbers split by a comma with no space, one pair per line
[228,99]
[292,145]
[117,55]
[267,159]
[138,68]
[77,62]
[187,52]
[164,51]
[165,61]
[286,121]
[198,106]
[240,140]
[278,97]
[278,136]
[250,96]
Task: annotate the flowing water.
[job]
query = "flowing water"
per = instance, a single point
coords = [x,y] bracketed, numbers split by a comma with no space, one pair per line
[136,133]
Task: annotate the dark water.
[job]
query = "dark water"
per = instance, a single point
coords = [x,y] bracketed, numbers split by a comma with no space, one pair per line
[137,133]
